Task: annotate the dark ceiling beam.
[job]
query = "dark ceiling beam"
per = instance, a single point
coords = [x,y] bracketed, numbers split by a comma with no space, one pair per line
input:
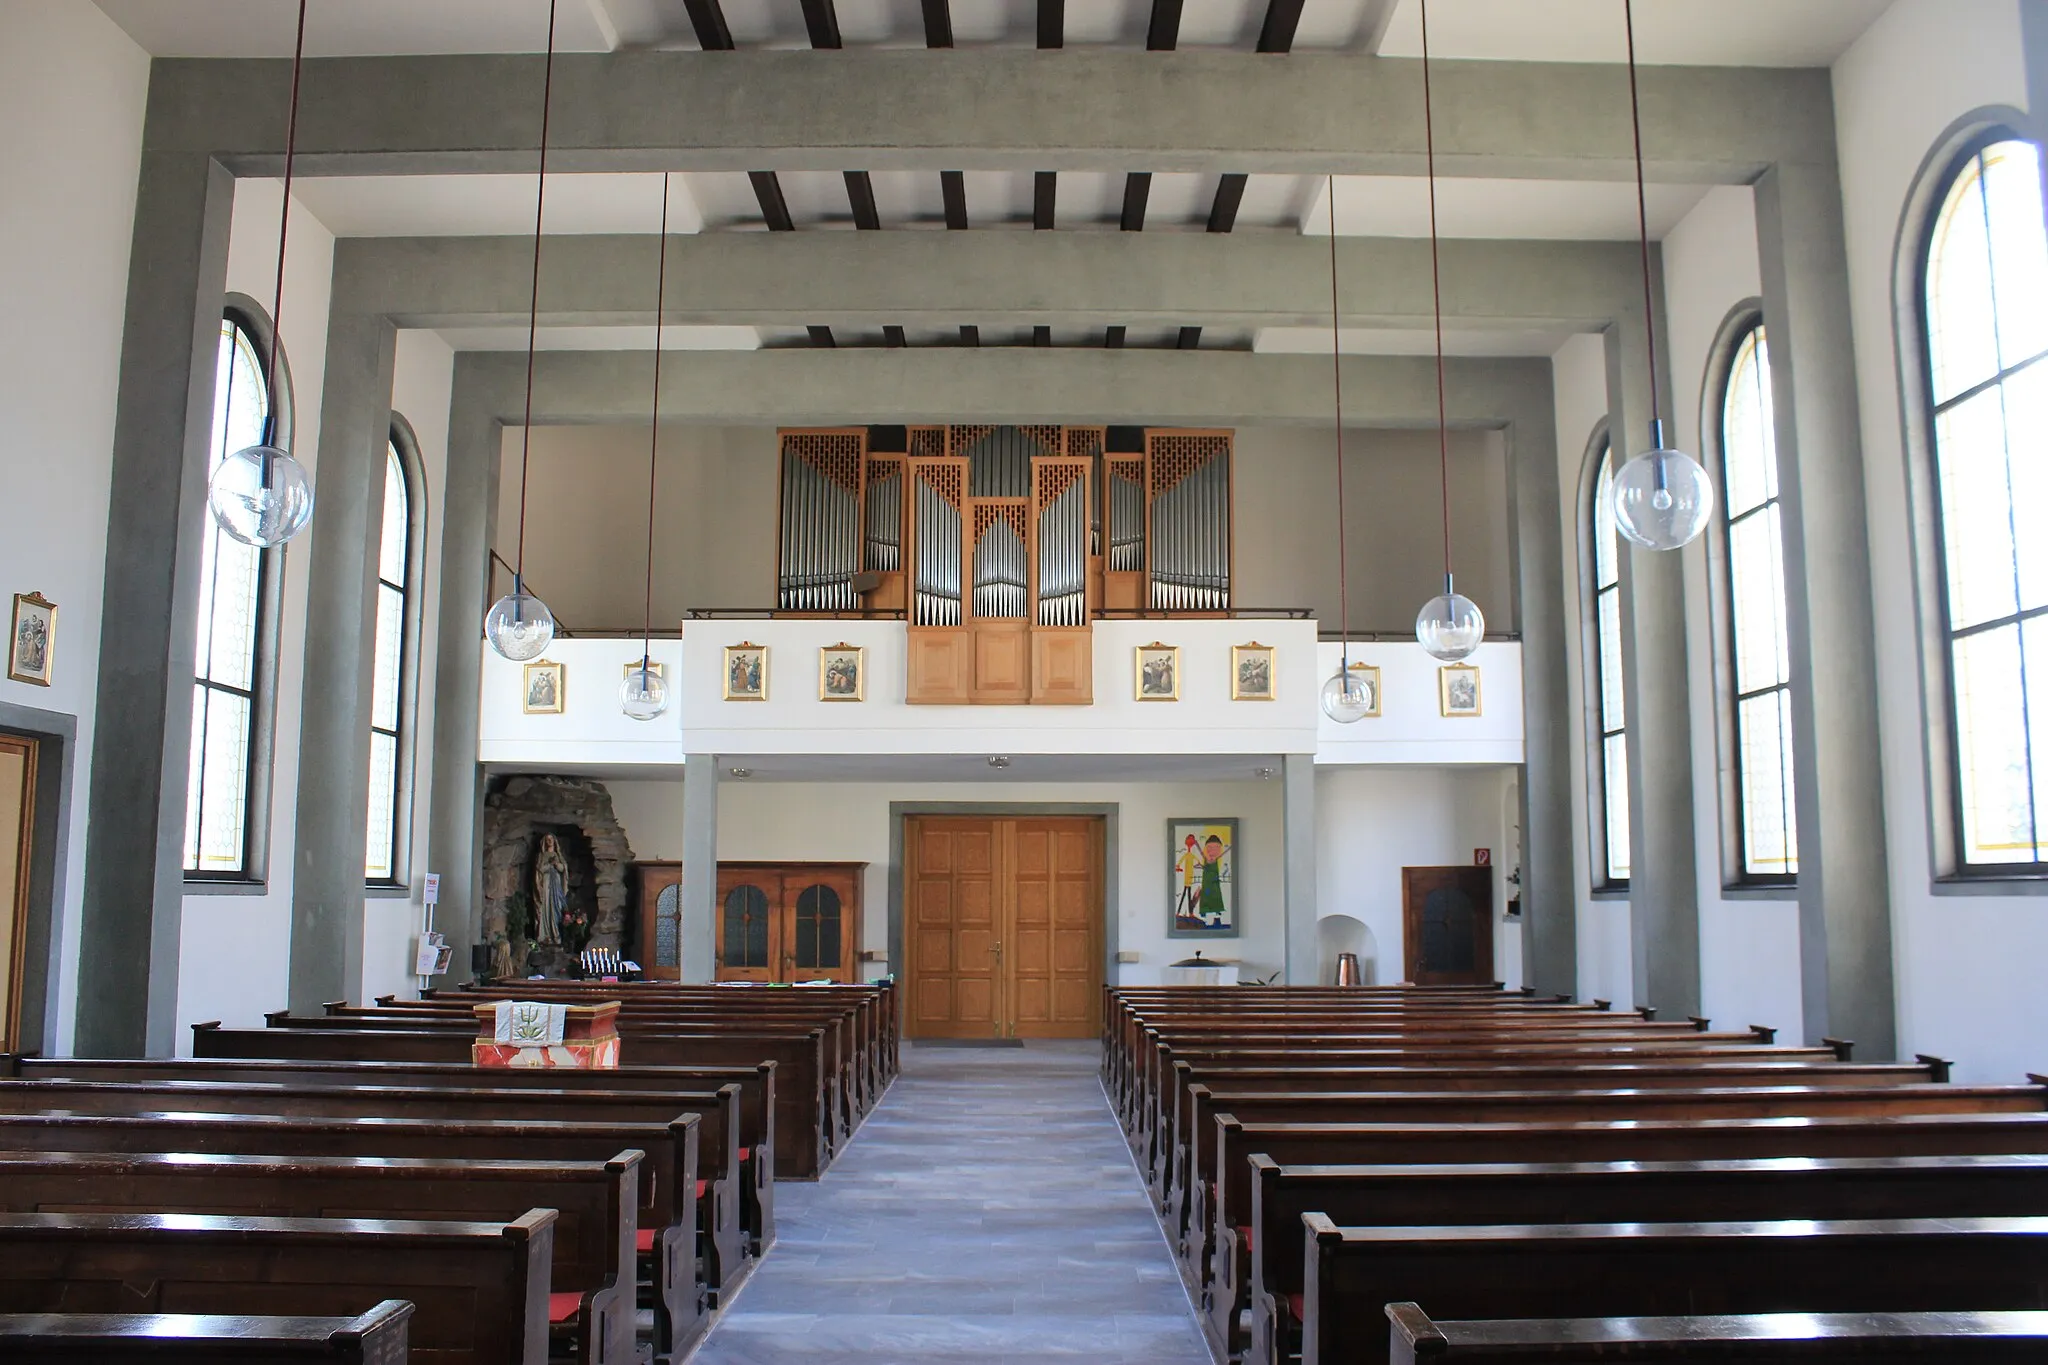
[1162,34]
[860,192]
[1044,196]
[821,22]
[1283,17]
[953,185]
[938,23]
[1137,190]
[1052,23]
[709,20]
[1229,195]
[1113,339]
[893,336]
[1041,335]
[774,208]
[821,336]
[1190,339]
[970,335]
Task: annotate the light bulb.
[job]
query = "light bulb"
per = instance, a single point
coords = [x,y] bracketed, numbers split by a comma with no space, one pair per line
[520,626]
[644,693]
[1450,625]
[1347,697]
[1662,499]
[261,496]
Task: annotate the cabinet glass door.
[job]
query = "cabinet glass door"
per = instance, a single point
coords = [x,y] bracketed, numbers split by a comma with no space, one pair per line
[819,934]
[745,933]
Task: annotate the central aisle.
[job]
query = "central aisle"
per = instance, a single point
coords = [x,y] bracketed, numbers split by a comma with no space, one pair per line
[988,1211]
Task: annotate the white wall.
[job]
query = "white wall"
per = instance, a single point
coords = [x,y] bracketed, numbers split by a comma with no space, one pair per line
[1969,968]
[1411,727]
[72,89]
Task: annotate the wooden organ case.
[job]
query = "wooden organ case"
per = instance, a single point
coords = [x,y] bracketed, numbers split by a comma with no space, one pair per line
[1001,545]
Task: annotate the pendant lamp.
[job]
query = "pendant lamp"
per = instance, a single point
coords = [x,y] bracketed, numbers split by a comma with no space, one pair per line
[644,693]
[1662,498]
[1345,698]
[519,625]
[260,495]
[1450,625]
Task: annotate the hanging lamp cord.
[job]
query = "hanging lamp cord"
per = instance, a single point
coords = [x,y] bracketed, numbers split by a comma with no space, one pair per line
[284,224]
[1436,279]
[1337,387]
[1635,113]
[540,199]
[654,431]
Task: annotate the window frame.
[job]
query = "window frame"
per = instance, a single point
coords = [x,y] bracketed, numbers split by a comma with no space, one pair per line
[1599,803]
[253,875]
[1736,879]
[1952,871]
[412,469]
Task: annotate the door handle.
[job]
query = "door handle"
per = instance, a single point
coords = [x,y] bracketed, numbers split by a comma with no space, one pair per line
[997,949]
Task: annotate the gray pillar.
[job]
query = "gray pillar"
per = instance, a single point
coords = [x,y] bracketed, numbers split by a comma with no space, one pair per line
[1298,817]
[1550,932]
[1664,935]
[134,877]
[469,504]
[700,867]
[1845,937]
[340,658]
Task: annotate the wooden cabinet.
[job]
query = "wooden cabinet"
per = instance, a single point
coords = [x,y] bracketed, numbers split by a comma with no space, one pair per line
[658,894]
[789,921]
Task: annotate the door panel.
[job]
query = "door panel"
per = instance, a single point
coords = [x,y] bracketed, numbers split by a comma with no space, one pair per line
[747,942]
[17,839]
[1448,925]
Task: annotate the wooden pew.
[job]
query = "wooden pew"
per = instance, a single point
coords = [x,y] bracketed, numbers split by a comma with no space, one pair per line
[1637,1269]
[1593,1192]
[803,1122]
[757,1096]
[667,1192]
[1755,1339]
[591,1300]
[718,1174]
[479,1290]
[377,1337]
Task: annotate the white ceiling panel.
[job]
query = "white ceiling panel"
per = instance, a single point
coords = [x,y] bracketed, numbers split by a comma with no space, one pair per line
[908,198]
[1392,341]
[603,338]
[1088,198]
[1179,199]
[998,197]
[1277,201]
[493,205]
[1022,768]
[365,28]
[1220,23]
[725,199]
[1540,210]
[1668,32]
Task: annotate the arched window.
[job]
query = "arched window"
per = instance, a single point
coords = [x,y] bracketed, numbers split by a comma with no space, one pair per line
[391,678]
[236,621]
[1759,660]
[1610,762]
[1986,286]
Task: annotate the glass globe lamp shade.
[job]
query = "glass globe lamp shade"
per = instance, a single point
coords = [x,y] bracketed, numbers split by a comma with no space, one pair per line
[1346,699]
[519,626]
[1662,499]
[1450,626]
[261,496]
[644,693]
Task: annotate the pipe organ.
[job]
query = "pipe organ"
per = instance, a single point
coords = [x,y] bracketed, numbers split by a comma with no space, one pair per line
[1000,544]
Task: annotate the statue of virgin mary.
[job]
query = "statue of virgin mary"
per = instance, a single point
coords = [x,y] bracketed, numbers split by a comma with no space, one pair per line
[550,890]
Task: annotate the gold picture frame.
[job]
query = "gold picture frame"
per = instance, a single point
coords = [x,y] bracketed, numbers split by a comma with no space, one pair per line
[1253,672]
[654,666]
[842,672]
[746,672]
[543,688]
[32,639]
[1369,674]
[1457,691]
[1156,672]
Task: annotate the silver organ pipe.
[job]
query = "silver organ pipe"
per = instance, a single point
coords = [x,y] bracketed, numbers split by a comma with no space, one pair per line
[1126,521]
[938,557]
[885,517]
[1062,558]
[1191,540]
[1000,587]
[820,539]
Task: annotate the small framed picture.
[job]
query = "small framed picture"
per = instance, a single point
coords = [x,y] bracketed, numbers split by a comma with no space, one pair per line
[1158,672]
[544,688]
[1251,672]
[1201,857]
[32,639]
[746,672]
[654,666]
[1457,688]
[842,673]
[1368,676]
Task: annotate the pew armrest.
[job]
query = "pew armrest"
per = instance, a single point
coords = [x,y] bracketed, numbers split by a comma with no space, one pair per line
[1411,1335]
[1938,1068]
[1764,1034]
[1843,1047]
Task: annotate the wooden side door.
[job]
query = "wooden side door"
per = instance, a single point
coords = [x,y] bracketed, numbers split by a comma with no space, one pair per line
[1053,941]
[659,887]
[749,923]
[819,923]
[17,840]
[1447,921]
[950,942]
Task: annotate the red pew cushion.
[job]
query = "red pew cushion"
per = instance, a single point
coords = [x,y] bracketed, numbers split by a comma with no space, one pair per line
[644,1239]
[564,1307]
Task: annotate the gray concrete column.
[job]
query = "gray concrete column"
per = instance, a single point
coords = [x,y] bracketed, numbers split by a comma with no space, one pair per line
[1664,932]
[340,662]
[1845,937]
[700,868]
[1298,820]
[1550,935]
[469,503]
[134,861]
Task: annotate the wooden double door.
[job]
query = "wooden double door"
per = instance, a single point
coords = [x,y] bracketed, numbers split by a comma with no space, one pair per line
[1447,915]
[789,921]
[1002,926]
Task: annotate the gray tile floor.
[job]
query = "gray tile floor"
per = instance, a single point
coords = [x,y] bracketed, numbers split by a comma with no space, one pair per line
[988,1211]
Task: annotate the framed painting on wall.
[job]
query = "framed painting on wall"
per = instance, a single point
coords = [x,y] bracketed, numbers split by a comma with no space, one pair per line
[32,639]
[543,691]
[842,673]
[1202,878]
[1158,672]
[746,672]
[1458,689]
[1251,672]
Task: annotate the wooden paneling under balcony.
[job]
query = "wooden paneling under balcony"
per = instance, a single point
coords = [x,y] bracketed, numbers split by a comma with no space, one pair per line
[1063,667]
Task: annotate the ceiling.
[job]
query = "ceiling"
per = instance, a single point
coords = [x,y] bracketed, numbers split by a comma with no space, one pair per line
[1022,768]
